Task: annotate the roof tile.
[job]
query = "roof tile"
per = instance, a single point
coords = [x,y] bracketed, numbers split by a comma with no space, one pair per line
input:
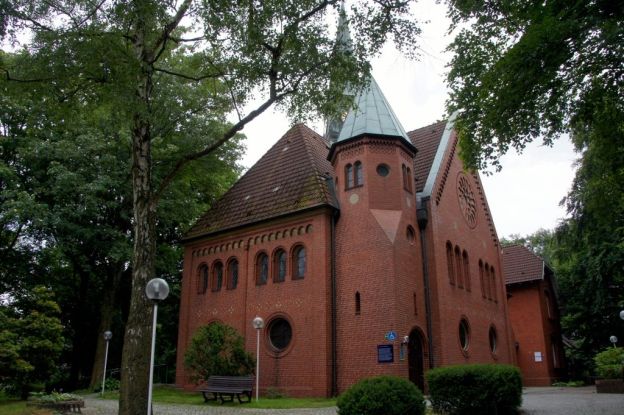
[521,265]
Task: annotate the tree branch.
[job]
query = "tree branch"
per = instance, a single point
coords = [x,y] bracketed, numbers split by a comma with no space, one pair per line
[189,77]
[9,78]
[161,42]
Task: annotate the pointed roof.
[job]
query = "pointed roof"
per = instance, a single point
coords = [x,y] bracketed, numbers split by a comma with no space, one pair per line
[520,264]
[290,177]
[427,141]
[372,115]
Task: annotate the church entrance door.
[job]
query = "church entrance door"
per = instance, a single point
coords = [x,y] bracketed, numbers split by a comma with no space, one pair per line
[415,359]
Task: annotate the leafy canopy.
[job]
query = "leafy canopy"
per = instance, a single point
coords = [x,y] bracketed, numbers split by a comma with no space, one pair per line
[526,69]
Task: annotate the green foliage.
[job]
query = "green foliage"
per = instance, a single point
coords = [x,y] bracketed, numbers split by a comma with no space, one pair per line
[217,349]
[30,340]
[475,389]
[525,69]
[610,363]
[382,395]
[569,384]
[111,384]
[54,397]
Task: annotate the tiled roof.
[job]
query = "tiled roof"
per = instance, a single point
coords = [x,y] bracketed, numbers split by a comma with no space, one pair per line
[426,140]
[290,177]
[521,265]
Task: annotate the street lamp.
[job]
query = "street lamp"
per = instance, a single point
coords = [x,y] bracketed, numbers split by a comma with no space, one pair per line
[258,323]
[107,336]
[156,290]
[613,340]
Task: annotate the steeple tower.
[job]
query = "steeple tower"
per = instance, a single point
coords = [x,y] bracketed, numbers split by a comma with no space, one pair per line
[344,45]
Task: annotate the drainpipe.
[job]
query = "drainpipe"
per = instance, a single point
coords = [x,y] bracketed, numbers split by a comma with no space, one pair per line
[422,217]
[334,351]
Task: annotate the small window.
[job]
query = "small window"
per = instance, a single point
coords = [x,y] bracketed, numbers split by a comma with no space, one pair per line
[409,180]
[464,335]
[359,174]
[279,266]
[449,263]
[493,286]
[349,176]
[415,304]
[262,269]
[459,268]
[299,262]
[232,280]
[202,279]
[217,276]
[488,284]
[358,304]
[482,279]
[383,170]
[280,333]
[411,236]
[493,340]
[404,170]
[466,263]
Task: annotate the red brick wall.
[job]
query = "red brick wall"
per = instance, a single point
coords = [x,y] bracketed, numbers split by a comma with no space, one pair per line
[303,368]
[451,303]
[534,330]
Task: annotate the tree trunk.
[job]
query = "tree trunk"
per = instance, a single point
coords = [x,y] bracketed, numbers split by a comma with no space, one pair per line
[107,311]
[137,340]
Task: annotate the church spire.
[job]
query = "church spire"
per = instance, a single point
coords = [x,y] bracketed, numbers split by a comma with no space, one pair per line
[344,45]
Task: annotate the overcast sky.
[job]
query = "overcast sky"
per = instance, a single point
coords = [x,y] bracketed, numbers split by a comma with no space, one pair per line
[523,197]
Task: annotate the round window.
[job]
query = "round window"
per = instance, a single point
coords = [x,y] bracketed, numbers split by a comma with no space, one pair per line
[280,334]
[464,334]
[383,170]
[493,339]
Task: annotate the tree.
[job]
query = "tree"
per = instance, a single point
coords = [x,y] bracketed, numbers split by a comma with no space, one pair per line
[217,349]
[30,340]
[542,242]
[278,51]
[526,69]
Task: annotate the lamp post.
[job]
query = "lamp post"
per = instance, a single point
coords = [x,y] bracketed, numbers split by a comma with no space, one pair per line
[258,324]
[156,290]
[613,340]
[107,336]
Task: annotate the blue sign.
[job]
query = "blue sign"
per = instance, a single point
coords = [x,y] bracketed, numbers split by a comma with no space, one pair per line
[385,353]
[391,335]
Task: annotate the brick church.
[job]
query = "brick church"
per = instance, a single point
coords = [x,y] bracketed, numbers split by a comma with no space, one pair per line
[366,251]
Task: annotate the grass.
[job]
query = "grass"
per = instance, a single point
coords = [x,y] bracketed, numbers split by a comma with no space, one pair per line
[14,406]
[167,394]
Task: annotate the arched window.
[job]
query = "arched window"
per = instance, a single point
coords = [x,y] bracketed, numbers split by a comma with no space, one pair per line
[349,176]
[299,263]
[409,180]
[404,170]
[459,268]
[493,338]
[493,285]
[232,280]
[217,276]
[358,304]
[262,269]
[202,279]
[488,282]
[467,281]
[279,266]
[449,262]
[481,278]
[359,174]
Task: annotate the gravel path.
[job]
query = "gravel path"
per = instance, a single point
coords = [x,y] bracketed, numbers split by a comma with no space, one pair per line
[535,401]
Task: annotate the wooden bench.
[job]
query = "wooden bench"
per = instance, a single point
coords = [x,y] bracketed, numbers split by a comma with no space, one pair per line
[61,406]
[226,387]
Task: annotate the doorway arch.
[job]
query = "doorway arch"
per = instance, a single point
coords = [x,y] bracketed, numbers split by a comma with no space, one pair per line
[415,358]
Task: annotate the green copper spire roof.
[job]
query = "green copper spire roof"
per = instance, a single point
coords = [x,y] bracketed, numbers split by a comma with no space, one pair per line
[372,115]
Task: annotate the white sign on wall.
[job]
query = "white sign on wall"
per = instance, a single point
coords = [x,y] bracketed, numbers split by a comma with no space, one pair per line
[538,356]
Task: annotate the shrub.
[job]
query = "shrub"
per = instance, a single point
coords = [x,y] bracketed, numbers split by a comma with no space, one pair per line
[111,384]
[383,395]
[609,363]
[475,389]
[217,349]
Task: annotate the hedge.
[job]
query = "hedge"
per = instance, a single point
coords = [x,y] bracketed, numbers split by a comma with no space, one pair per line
[475,389]
[382,395]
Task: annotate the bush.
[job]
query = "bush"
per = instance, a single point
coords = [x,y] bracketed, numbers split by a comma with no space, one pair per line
[111,384]
[475,389]
[217,349]
[609,363]
[383,395]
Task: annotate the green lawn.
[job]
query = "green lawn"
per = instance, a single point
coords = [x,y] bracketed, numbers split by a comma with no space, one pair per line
[13,406]
[165,394]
